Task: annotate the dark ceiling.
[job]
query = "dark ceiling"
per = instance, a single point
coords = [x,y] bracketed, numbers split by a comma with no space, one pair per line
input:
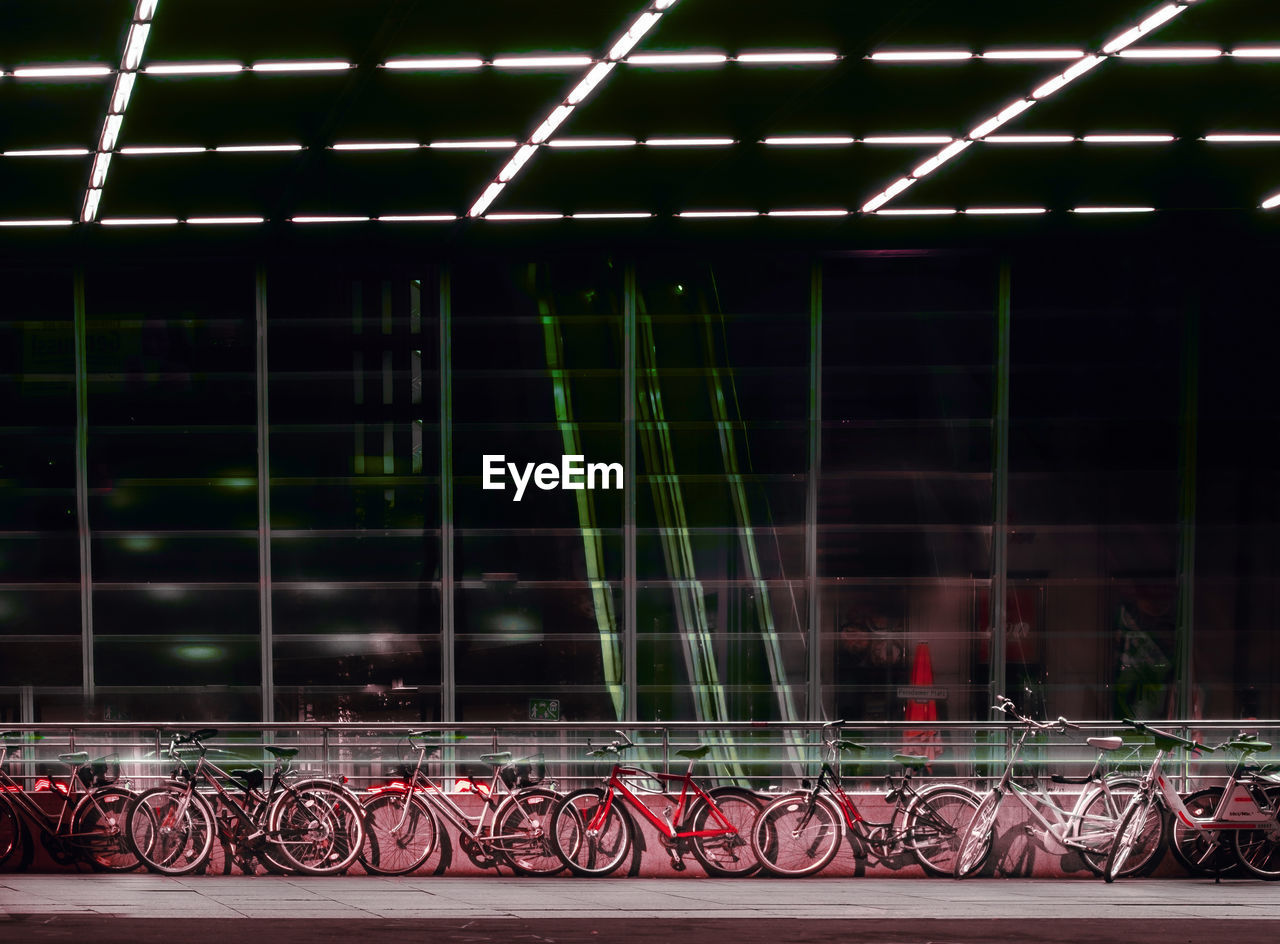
[853,96]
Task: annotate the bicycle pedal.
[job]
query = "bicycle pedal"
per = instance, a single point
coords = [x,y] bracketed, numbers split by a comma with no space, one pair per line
[678,865]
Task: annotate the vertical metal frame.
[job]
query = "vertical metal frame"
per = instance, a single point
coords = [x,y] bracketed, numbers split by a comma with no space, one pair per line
[82,488]
[811,500]
[629,639]
[1000,485]
[448,709]
[264,499]
[1189,435]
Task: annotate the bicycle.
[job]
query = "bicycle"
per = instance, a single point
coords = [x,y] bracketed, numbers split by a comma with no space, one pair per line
[1247,808]
[593,833]
[87,827]
[402,821]
[312,826]
[1089,828]
[799,833]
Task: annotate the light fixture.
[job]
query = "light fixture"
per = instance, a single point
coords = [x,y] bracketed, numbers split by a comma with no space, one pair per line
[420,218]
[592,142]
[1128,138]
[193,68]
[1113,209]
[253,148]
[98,175]
[1028,139]
[831,212]
[589,82]
[303,65]
[376,146]
[1032,55]
[887,194]
[768,58]
[643,23]
[133,47]
[474,145]
[223,220]
[123,89]
[677,59]
[542,62]
[1154,21]
[436,63]
[328,219]
[1255,52]
[921,55]
[92,198]
[1271,202]
[933,163]
[1008,114]
[909,139]
[146,9]
[62,72]
[518,160]
[1005,211]
[523,217]
[50,152]
[1172,52]
[140,221]
[36,222]
[716,214]
[486,198]
[549,125]
[110,132]
[611,216]
[1066,78]
[918,211]
[1242,138]
[162,150]
[689,142]
[814,140]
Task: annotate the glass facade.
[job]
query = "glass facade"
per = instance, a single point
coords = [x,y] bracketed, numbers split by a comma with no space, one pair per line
[288,492]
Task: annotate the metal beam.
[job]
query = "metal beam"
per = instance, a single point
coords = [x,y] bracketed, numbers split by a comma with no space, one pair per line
[815,712]
[1189,436]
[448,710]
[82,491]
[629,629]
[998,593]
[264,499]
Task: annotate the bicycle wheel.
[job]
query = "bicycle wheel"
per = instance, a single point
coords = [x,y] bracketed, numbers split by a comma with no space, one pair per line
[171,830]
[588,847]
[522,832]
[797,835]
[1128,836]
[1099,824]
[1201,851]
[1259,849]
[728,855]
[399,833]
[10,832]
[933,824]
[316,827]
[104,814]
[979,836]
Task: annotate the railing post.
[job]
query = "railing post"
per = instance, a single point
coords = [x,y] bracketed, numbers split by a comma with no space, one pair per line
[324,749]
[666,756]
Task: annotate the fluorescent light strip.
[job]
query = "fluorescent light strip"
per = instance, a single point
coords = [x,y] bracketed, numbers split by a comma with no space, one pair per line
[1057,83]
[620,49]
[123,90]
[807,213]
[1028,139]
[689,142]
[256,148]
[921,211]
[50,152]
[677,59]
[223,220]
[921,55]
[1032,55]
[768,58]
[541,62]
[474,145]
[328,219]
[1113,209]
[887,194]
[146,10]
[161,150]
[194,68]
[611,216]
[134,45]
[91,201]
[1153,22]
[1005,211]
[933,163]
[421,218]
[314,65]
[592,142]
[809,141]
[1008,114]
[1242,138]
[376,146]
[62,72]
[1257,52]
[716,214]
[909,139]
[140,221]
[438,63]
[1172,52]
[18,223]
[98,174]
[1271,202]
[1128,138]
[523,217]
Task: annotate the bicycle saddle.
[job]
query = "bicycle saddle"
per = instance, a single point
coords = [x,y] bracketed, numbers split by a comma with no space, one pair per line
[1105,744]
[495,760]
[695,753]
[914,761]
[79,757]
[282,752]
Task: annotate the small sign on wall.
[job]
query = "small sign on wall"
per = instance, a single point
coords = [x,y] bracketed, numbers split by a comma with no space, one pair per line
[922,693]
[544,709]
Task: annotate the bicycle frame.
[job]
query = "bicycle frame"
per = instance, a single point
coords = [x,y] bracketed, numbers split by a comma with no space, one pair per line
[1243,804]
[22,803]
[666,827]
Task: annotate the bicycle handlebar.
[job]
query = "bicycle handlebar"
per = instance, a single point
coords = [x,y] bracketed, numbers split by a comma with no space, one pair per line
[1006,706]
[1145,728]
[613,747]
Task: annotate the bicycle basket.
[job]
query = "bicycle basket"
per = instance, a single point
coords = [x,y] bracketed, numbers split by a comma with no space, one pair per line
[525,772]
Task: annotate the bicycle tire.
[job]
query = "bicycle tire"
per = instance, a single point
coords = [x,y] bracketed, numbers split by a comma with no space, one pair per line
[111,852]
[728,855]
[525,817]
[1259,849]
[390,848]
[979,836]
[11,832]
[171,830]
[591,854]
[1128,833]
[797,835]
[1198,853]
[933,825]
[1099,824]
[317,827]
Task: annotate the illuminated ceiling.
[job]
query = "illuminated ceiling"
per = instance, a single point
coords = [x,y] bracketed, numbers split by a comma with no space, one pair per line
[416,113]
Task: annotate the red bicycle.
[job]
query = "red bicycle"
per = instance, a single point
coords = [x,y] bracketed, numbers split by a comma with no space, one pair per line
[593,833]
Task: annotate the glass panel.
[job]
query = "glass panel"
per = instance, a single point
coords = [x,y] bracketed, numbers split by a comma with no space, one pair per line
[386,661]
